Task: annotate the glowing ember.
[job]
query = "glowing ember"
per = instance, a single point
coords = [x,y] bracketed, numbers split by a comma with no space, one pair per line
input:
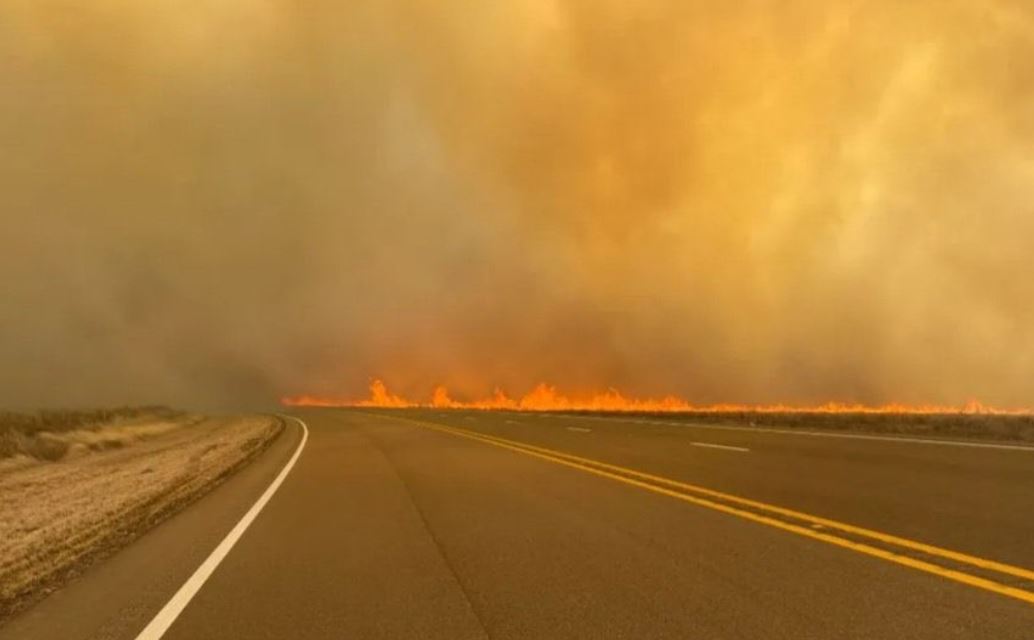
[545,397]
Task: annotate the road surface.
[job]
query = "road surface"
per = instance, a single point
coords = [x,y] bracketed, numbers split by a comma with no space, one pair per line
[452,525]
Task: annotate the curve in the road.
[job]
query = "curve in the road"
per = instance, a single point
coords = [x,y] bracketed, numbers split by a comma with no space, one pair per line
[172,609]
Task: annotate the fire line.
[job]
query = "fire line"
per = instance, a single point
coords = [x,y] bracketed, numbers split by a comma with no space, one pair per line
[545,397]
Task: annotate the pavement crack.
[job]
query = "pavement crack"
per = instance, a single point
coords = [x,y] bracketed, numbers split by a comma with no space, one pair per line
[430,533]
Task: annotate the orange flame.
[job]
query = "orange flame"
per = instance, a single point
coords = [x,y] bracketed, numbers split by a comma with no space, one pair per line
[545,397]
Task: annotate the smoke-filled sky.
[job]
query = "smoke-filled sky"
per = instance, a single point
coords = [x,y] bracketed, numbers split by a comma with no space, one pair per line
[219,202]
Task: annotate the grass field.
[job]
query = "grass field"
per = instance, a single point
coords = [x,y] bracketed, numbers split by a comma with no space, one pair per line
[50,435]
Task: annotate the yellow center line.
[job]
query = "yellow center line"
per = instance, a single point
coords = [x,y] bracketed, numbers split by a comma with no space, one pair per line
[650,482]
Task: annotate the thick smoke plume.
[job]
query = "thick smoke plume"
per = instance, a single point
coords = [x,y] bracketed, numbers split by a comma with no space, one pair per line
[224,201]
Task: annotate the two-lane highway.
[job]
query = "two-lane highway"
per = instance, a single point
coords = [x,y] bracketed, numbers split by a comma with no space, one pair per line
[432,524]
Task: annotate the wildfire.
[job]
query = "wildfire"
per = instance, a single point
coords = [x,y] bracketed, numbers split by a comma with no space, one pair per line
[545,397]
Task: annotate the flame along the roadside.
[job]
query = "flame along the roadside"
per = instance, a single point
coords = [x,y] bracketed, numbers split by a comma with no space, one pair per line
[545,397]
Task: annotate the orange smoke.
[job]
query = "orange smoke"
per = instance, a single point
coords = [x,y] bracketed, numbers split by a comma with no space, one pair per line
[545,397]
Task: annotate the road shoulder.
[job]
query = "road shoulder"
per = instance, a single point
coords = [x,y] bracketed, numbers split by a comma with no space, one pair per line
[120,595]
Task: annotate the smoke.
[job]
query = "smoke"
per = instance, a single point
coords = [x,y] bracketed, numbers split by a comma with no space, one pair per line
[220,202]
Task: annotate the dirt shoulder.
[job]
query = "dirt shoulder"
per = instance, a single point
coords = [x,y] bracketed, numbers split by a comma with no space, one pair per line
[95,488]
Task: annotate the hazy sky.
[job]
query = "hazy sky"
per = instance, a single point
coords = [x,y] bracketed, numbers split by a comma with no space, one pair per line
[219,202]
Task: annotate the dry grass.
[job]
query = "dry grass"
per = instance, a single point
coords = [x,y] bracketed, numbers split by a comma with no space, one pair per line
[44,435]
[112,481]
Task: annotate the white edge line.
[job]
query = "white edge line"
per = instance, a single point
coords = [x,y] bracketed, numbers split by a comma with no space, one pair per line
[821,434]
[853,436]
[719,446]
[579,429]
[172,609]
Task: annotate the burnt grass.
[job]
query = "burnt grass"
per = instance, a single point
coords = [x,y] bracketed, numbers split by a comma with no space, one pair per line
[972,426]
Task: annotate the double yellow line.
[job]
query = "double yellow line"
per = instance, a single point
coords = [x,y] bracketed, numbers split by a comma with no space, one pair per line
[892,548]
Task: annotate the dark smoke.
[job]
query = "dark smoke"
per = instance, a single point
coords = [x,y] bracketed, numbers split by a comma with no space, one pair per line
[221,202]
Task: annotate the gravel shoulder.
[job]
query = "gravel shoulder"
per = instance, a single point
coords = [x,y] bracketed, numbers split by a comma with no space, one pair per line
[111,484]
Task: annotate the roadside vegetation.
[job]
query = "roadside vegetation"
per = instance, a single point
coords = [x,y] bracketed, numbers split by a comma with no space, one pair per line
[77,485]
[46,435]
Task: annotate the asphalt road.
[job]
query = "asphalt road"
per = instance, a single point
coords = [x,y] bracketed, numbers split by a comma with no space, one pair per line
[426,524]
